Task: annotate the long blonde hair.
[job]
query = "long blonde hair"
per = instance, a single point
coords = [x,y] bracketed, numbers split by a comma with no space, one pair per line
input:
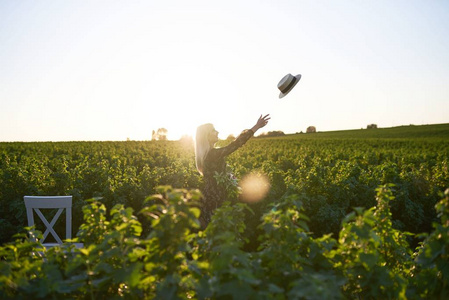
[202,144]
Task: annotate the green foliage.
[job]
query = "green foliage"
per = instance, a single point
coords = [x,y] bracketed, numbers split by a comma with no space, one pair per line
[293,263]
[230,183]
[374,257]
[228,272]
[119,172]
[370,260]
[431,273]
[340,170]
[115,261]
[167,251]
[305,240]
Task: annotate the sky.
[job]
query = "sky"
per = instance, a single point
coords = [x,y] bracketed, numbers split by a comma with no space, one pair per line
[117,70]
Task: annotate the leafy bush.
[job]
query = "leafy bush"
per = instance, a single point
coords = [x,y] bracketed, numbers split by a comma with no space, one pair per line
[304,240]
[176,260]
[431,269]
[339,169]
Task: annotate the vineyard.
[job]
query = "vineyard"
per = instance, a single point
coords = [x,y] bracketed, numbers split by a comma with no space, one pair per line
[360,214]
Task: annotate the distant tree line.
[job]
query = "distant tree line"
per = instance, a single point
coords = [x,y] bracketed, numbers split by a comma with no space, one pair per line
[272,134]
[311,129]
[159,135]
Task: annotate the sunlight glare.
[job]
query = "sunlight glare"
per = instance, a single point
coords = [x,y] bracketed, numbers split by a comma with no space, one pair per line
[255,187]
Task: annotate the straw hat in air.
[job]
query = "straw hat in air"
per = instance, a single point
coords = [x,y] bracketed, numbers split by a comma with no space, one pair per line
[287,83]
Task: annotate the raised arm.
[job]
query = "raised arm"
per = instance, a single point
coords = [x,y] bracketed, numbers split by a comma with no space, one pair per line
[261,122]
[241,139]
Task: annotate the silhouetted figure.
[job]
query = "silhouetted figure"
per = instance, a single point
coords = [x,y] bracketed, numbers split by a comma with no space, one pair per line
[211,163]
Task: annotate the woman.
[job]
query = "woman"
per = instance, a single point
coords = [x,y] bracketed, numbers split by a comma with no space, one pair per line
[211,163]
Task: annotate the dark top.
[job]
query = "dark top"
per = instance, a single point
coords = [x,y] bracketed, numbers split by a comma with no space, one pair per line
[215,194]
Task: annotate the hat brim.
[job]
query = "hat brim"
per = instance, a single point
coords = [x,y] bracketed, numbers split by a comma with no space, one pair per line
[282,95]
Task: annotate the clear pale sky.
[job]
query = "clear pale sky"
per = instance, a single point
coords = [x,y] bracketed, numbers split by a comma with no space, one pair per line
[112,70]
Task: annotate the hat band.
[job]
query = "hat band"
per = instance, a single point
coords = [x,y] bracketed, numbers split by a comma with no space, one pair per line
[289,85]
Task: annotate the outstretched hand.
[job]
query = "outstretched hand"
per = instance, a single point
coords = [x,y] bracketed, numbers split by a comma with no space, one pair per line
[261,122]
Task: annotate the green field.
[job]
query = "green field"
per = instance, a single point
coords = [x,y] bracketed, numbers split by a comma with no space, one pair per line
[324,230]
[437,131]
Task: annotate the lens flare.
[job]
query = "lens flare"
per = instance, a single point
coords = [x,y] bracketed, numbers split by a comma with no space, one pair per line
[255,187]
